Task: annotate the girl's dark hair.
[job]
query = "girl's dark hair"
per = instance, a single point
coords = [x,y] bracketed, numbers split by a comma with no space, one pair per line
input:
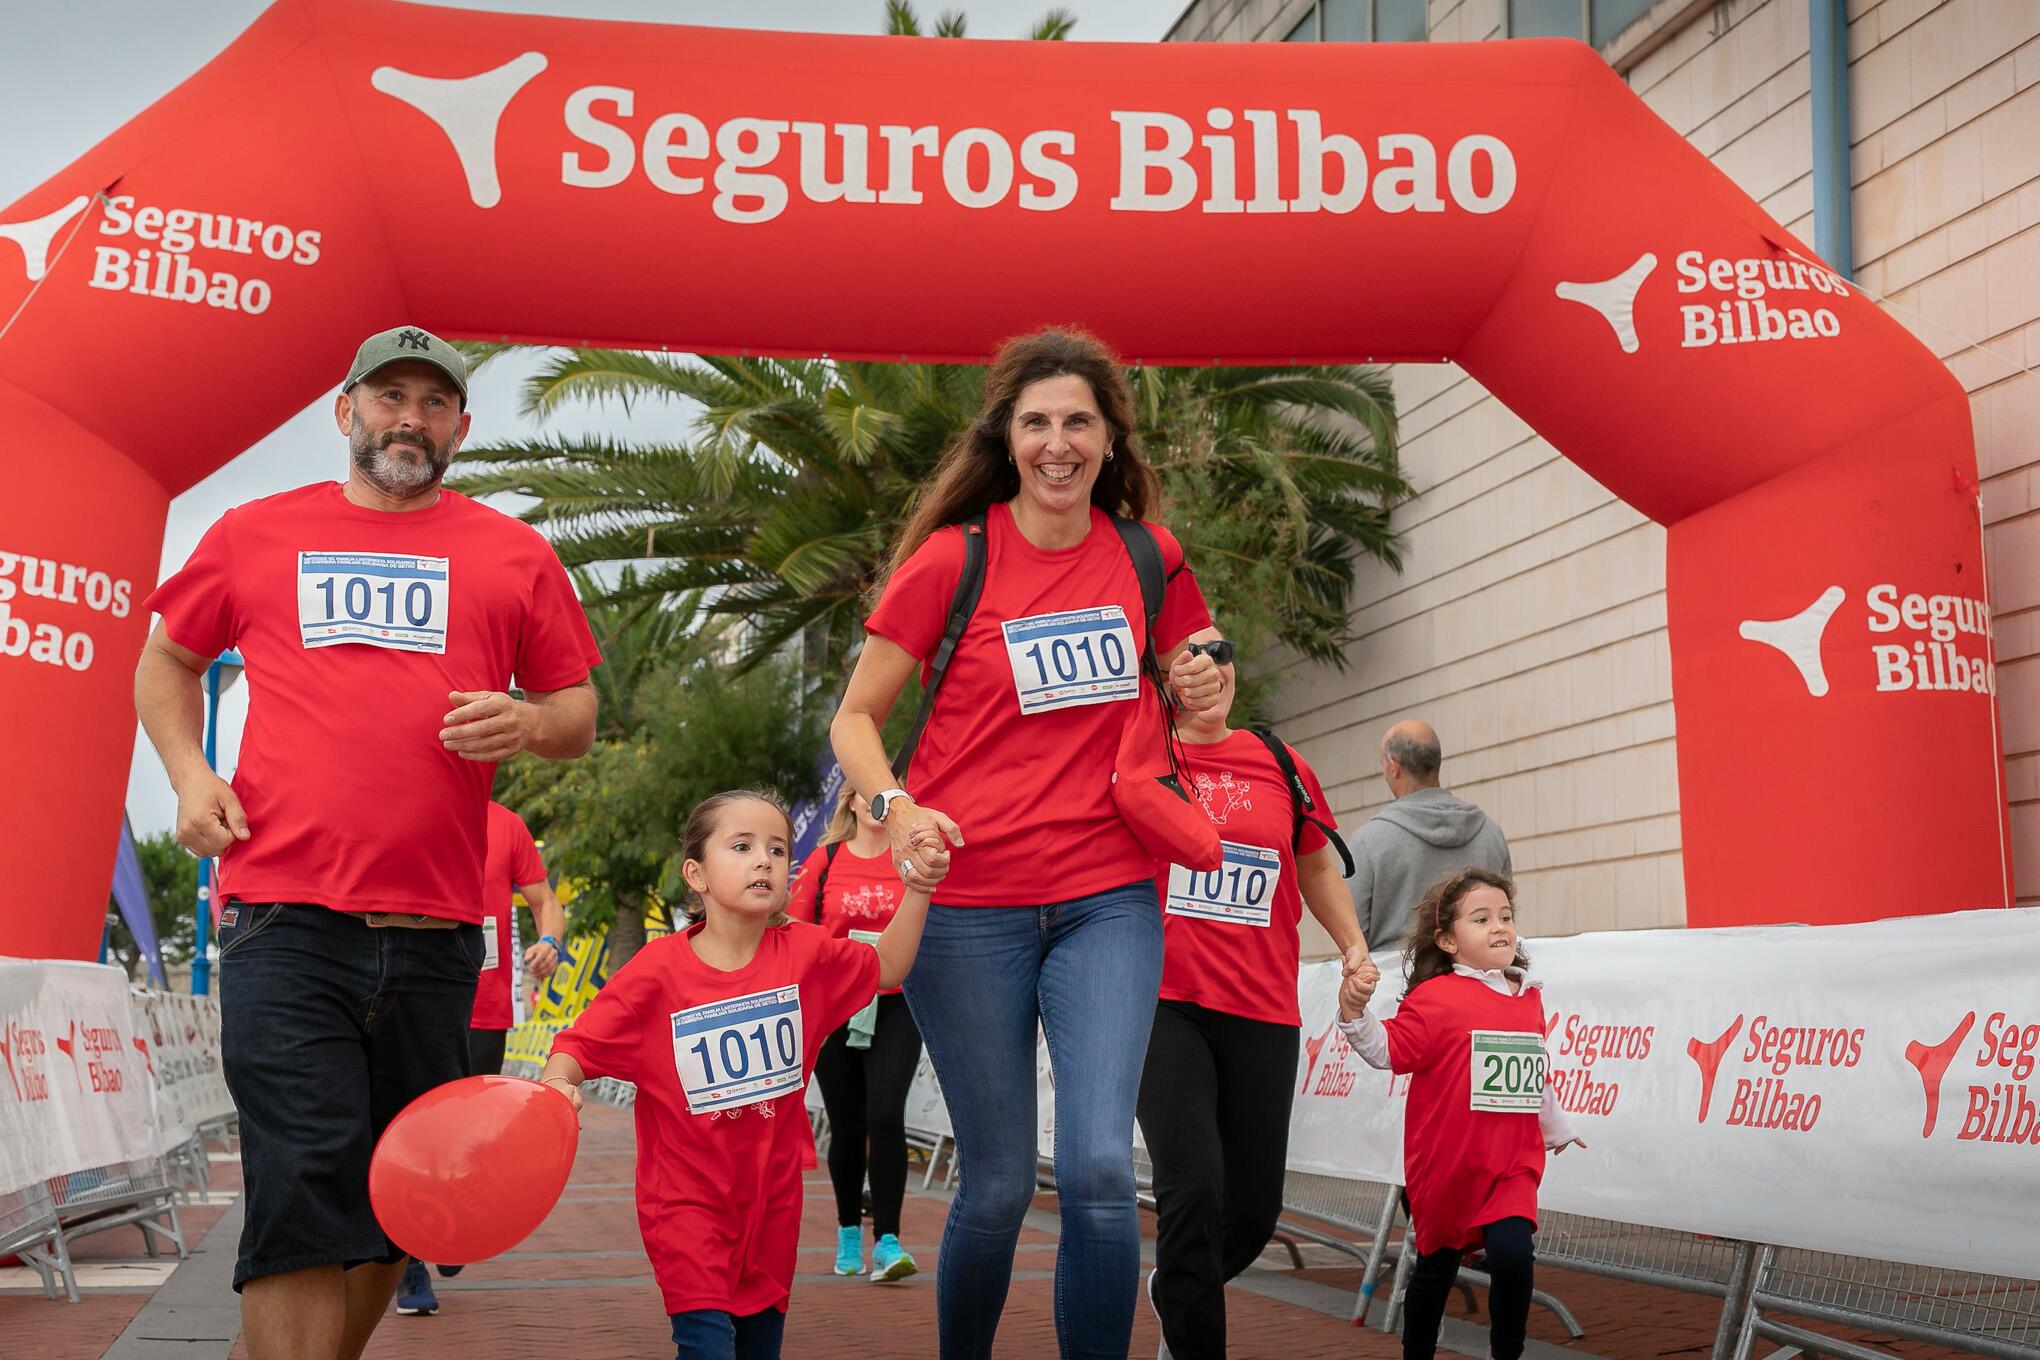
[701,825]
[1423,959]
[977,469]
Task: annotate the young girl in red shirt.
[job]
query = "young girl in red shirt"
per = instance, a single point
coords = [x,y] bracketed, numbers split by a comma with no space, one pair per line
[719,1027]
[1470,1036]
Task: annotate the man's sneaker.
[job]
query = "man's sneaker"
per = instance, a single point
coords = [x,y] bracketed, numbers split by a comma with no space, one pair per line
[448,1272]
[1163,1352]
[850,1250]
[890,1262]
[414,1296]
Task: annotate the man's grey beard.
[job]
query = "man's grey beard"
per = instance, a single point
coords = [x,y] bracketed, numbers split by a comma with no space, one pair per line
[393,474]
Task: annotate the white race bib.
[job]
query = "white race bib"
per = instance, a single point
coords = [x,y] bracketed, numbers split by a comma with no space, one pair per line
[1077,657]
[491,955]
[377,599]
[1507,1071]
[1238,892]
[740,1051]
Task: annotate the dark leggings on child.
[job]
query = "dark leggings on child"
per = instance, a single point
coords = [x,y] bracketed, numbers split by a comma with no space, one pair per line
[707,1334]
[865,1093]
[1511,1261]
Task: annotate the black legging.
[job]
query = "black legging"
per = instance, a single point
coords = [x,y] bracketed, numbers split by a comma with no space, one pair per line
[1214,1111]
[1511,1265]
[865,1093]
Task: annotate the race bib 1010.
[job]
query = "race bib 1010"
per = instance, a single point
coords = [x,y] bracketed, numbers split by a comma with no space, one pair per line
[1508,1071]
[391,600]
[1238,892]
[740,1051]
[1076,657]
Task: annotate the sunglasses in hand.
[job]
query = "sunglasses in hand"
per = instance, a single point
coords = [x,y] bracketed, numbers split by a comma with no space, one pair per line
[1220,650]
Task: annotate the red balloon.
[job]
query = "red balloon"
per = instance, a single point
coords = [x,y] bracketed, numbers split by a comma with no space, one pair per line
[467,1170]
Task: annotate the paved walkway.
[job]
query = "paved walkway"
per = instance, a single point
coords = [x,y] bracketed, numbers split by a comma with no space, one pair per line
[579,1287]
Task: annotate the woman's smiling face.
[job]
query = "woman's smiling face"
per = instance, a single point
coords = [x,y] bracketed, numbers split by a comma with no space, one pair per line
[1058,438]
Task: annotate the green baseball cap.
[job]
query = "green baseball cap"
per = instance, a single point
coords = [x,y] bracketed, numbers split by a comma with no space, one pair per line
[408,342]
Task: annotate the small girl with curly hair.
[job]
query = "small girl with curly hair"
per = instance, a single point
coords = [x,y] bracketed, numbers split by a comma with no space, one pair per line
[719,1026]
[1470,1036]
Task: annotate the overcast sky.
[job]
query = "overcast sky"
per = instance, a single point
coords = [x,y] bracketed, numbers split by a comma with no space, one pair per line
[72,73]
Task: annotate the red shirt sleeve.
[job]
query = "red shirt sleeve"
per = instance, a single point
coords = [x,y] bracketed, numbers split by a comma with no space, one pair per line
[525,865]
[802,906]
[609,1038]
[557,648]
[197,601]
[915,605]
[841,981]
[1412,1033]
[1313,838]
[1183,609]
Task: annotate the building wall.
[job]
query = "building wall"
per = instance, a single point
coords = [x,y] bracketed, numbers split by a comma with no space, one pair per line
[1528,624]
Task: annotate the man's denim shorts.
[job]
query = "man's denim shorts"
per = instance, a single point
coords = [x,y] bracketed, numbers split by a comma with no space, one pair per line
[329,1027]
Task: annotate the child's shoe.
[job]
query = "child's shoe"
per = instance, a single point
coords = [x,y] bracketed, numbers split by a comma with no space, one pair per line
[414,1296]
[850,1251]
[890,1262]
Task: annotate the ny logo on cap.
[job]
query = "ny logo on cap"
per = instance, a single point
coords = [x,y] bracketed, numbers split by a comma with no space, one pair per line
[413,340]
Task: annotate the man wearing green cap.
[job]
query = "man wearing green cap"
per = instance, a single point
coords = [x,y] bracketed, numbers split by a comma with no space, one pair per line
[383,621]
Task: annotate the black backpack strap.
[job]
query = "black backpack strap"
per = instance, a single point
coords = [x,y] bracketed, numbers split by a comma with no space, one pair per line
[1299,798]
[1147,565]
[822,875]
[969,587]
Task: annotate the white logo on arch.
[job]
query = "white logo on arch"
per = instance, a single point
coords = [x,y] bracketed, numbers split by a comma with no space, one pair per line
[1799,637]
[1615,299]
[34,236]
[468,110]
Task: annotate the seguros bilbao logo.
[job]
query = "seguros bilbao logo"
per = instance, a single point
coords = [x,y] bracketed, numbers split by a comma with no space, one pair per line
[1998,1102]
[1939,642]
[1773,1062]
[1733,300]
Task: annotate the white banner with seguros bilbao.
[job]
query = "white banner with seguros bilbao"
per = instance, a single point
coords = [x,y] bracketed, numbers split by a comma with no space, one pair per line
[77,1092]
[1872,1090]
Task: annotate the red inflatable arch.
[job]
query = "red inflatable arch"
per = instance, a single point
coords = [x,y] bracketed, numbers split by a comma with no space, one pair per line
[350,164]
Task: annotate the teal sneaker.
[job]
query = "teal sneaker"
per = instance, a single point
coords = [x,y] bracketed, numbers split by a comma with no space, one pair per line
[850,1251]
[890,1262]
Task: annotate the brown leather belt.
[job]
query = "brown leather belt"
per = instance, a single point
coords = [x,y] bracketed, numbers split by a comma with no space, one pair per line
[408,920]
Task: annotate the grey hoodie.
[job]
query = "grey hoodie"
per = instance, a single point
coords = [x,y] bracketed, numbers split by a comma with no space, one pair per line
[1409,845]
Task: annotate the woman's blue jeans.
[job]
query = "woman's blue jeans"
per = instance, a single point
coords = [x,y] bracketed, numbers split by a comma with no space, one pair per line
[1087,971]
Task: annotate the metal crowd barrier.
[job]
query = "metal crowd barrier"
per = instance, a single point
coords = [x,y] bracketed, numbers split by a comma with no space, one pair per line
[140,1192]
[28,1229]
[1990,1315]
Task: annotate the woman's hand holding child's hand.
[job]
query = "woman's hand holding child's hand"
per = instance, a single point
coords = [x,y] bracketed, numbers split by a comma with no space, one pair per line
[933,865]
[1357,989]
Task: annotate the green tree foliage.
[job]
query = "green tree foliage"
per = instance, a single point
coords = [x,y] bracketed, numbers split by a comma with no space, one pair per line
[170,875]
[676,726]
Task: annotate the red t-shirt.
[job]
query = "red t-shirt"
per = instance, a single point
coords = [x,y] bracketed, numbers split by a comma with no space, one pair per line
[861,894]
[1021,745]
[513,862]
[1465,1167]
[355,625]
[719,1185]
[1231,937]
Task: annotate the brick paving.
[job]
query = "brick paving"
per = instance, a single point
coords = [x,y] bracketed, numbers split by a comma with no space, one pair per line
[580,1287]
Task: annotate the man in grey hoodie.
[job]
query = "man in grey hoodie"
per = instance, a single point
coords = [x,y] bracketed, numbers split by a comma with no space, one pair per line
[1425,834]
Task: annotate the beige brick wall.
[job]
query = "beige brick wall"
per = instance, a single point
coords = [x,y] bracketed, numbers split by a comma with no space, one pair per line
[1529,622]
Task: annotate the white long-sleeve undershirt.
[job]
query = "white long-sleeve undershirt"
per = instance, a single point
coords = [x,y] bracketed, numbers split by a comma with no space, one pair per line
[1370,1041]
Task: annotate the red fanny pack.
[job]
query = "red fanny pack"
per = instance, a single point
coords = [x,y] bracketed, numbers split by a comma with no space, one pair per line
[1147,786]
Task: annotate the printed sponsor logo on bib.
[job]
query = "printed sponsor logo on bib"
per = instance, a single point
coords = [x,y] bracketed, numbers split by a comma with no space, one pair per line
[1508,1071]
[740,1051]
[391,600]
[491,954]
[1077,657]
[1239,892]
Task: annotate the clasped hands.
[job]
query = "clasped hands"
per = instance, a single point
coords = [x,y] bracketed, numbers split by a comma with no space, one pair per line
[1360,975]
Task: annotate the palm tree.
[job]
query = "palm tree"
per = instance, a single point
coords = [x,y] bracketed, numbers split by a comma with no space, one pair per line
[902,21]
[780,510]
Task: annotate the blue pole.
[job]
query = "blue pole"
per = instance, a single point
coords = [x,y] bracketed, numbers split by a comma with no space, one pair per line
[1833,226]
[201,966]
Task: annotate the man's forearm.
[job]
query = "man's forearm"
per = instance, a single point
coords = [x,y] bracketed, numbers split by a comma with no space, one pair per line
[171,705]
[564,723]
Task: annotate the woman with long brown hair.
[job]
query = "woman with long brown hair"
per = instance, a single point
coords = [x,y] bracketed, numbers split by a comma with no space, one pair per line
[1049,917]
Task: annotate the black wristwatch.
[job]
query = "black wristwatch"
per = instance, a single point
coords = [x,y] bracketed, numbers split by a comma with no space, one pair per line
[881,801]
